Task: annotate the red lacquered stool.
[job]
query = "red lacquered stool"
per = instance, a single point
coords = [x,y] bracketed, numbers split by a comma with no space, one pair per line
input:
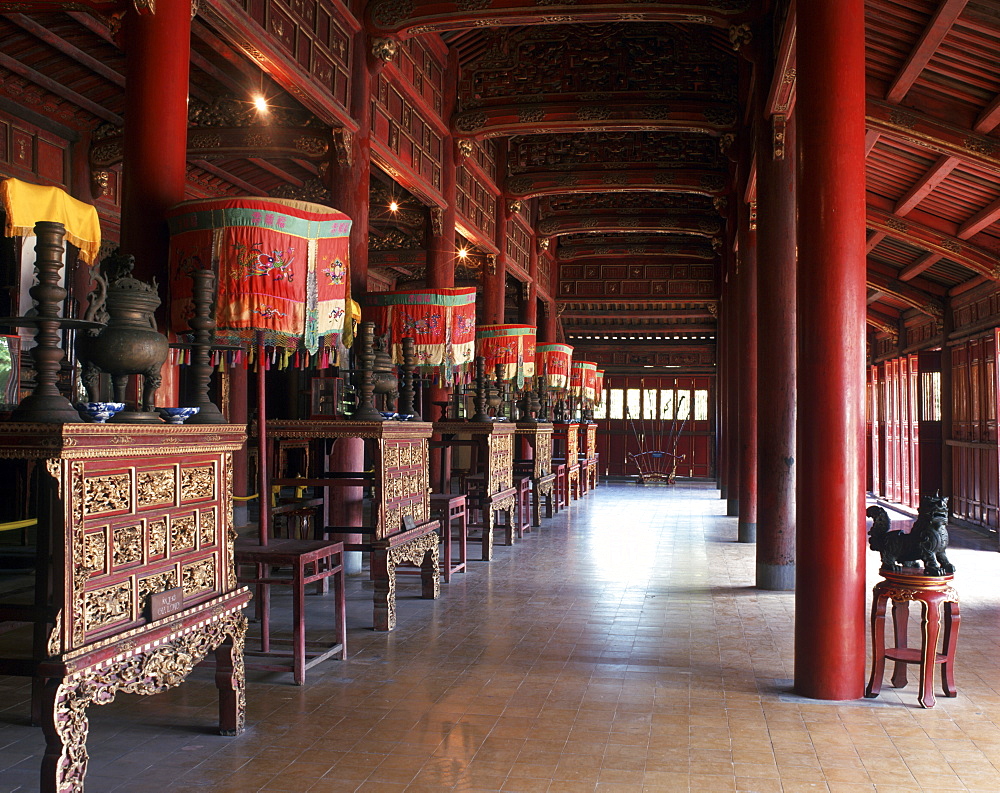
[939,603]
[447,508]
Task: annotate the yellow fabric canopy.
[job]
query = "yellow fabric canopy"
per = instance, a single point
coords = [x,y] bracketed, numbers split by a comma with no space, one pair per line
[26,204]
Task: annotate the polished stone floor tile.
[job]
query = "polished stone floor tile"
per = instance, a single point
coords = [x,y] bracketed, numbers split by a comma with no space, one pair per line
[621,647]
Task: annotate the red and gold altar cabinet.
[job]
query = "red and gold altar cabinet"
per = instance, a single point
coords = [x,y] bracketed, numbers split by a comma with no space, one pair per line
[535,461]
[400,530]
[588,455]
[490,483]
[566,451]
[137,522]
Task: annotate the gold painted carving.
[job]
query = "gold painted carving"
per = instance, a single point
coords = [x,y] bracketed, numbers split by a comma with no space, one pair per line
[182,533]
[54,646]
[155,487]
[197,483]
[107,494]
[160,582]
[158,537]
[384,49]
[778,136]
[126,546]
[150,672]
[95,552]
[108,605]
[739,35]
[206,528]
[198,576]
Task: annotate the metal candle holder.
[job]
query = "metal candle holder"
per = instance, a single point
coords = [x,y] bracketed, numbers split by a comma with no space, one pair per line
[480,399]
[203,326]
[365,352]
[406,388]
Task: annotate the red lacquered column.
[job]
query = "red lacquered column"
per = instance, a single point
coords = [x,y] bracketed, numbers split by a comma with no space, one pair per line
[776,387]
[747,525]
[732,439]
[157,57]
[830,596]
[529,304]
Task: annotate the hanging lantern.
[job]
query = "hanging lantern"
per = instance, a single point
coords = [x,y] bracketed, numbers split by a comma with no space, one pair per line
[599,388]
[553,362]
[511,347]
[442,323]
[282,269]
[583,380]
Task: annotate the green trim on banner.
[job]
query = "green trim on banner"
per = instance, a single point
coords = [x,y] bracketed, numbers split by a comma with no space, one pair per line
[463,296]
[203,220]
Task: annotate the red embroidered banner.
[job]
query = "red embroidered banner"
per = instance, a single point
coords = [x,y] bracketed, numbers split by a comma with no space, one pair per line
[553,363]
[511,347]
[282,269]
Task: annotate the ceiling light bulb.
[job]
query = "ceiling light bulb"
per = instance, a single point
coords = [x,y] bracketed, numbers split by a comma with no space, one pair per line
[260,103]
[393,207]
[462,253]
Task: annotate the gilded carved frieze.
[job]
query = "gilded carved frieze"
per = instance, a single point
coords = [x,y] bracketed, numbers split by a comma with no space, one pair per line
[104,494]
[155,487]
[501,462]
[182,533]
[198,576]
[197,484]
[103,607]
[126,545]
[95,551]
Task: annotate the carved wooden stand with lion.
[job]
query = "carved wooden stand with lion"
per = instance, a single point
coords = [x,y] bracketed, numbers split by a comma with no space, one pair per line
[135,582]
[905,583]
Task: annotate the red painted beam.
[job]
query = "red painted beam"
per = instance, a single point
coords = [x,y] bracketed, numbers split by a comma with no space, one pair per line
[61,45]
[923,263]
[873,240]
[926,184]
[59,90]
[206,166]
[972,283]
[980,220]
[871,138]
[702,181]
[933,35]
[989,118]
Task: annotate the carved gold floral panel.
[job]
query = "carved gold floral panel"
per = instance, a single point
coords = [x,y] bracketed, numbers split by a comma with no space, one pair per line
[157,538]
[198,484]
[126,546]
[160,582]
[155,487]
[198,576]
[108,605]
[104,494]
[183,529]
[206,528]
[95,551]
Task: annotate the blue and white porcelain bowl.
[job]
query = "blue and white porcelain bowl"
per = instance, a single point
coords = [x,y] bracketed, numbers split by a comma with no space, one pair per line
[99,412]
[177,415]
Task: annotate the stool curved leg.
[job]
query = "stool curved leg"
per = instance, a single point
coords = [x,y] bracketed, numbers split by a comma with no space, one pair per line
[930,629]
[952,619]
[878,645]
[900,619]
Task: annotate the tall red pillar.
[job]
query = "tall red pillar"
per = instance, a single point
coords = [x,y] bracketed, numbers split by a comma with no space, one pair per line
[830,589]
[732,439]
[154,162]
[776,336]
[747,350]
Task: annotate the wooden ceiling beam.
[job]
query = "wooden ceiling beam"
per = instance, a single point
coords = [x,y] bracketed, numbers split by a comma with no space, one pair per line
[871,138]
[668,313]
[874,296]
[42,33]
[59,90]
[928,133]
[92,24]
[873,240]
[926,184]
[979,221]
[972,257]
[965,286]
[989,118]
[388,17]
[925,262]
[911,296]
[935,32]
[206,166]
[274,170]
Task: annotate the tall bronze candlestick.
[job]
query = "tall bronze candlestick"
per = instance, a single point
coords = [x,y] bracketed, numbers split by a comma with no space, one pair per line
[365,352]
[480,399]
[203,325]
[406,388]
[45,403]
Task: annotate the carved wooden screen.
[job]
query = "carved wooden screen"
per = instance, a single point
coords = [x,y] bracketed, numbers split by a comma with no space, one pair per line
[875,446]
[973,431]
[405,487]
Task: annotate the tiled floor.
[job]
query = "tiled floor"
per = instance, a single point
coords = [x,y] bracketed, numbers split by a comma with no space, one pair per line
[622,647]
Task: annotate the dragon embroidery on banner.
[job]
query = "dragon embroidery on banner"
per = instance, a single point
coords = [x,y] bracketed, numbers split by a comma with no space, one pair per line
[252,260]
[428,324]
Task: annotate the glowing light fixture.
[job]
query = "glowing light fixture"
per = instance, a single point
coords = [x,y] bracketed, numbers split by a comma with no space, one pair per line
[462,253]
[394,207]
[260,103]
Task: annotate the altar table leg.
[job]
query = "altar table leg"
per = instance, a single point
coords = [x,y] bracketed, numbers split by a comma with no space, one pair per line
[489,522]
[384,577]
[230,679]
[64,724]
